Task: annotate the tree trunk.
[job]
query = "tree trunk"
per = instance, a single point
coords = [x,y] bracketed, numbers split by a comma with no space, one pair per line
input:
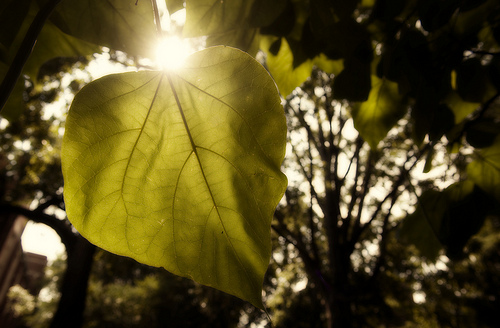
[74,287]
[338,306]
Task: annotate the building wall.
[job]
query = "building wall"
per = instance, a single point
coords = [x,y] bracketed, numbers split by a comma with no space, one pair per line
[16,267]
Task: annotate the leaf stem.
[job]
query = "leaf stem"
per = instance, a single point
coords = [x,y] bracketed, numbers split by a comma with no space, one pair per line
[24,51]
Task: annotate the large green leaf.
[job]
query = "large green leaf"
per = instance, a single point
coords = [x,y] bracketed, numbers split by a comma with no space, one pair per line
[376,116]
[125,25]
[181,169]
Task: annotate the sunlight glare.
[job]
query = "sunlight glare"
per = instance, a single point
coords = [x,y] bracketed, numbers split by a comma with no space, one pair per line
[172,52]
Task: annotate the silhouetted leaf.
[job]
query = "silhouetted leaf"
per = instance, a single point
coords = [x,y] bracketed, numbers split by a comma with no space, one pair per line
[353,83]
[442,120]
[53,43]
[472,80]
[264,12]
[12,14]
[225,23]
[117,24]
[463,218]
[283,24]
[421,228]
[482,133]
[435,15]
[446,219]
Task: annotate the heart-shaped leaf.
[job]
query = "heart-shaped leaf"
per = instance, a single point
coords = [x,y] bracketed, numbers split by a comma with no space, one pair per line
[181,169]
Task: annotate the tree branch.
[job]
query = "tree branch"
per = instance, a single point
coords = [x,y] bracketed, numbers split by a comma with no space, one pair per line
[353,192]
[304,172]
[480,113]
[366,180]
[62,227]
[312,225]
[404,174]
[52,201]
[310,264]
[383,241]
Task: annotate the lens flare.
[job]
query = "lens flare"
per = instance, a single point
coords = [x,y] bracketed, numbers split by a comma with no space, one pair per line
[172,52]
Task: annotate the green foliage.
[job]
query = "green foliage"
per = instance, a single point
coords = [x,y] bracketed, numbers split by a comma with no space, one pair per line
[449,218]
[377,115]
[124,293]
[179,170]
[36,311]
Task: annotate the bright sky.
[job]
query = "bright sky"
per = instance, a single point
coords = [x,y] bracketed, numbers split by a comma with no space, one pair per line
[40,239]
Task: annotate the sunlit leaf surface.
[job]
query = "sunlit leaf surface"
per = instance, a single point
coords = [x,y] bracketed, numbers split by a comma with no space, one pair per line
[281,67]
[376,116]
[181,169]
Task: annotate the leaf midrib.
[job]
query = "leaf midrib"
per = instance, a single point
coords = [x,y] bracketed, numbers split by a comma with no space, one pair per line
[195,152]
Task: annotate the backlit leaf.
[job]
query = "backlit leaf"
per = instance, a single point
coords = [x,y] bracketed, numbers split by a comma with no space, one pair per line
[118,24]
[485,170]
[181,169]
[376,116]
[460,108]
[53,43]
[281,67]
